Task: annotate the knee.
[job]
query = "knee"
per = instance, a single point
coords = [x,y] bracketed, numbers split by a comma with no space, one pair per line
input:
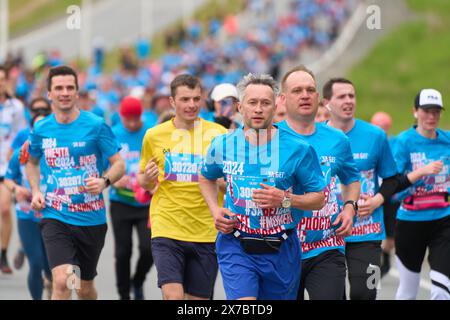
[86,292]
[173,296]
[5,213]
[60,283]
[173,292]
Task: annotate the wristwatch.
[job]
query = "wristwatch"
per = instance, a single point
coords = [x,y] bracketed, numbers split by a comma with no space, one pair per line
[354,205]
[107,181]
[286,202]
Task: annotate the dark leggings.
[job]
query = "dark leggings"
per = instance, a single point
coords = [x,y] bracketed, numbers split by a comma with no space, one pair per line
[124,218]
[363,263]
[30,236]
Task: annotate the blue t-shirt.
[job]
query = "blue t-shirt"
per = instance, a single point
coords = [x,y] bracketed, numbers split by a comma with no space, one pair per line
[317,234]
[286,162]
[98,111]
[150,118]
[73,152]
[16,172]
[413,151]
[20,138]
[131,143]
[374,159]
[207,115]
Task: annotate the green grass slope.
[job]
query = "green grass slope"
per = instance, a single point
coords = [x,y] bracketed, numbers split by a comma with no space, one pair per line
[415,56]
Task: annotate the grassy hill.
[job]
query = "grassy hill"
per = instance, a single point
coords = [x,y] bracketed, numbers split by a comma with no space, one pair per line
[415,56]
[25,15]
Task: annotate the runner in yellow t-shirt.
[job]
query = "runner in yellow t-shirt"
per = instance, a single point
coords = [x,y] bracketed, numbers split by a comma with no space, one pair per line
[183,232]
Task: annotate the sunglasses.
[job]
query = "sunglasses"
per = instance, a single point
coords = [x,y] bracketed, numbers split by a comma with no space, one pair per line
[42,111]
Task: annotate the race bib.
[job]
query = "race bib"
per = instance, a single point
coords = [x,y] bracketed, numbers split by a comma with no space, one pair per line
[68,182]
[240,189]
[253,219]
[182,167]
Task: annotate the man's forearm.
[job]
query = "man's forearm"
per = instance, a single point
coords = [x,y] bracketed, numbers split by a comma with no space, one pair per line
[308,201]
[222,185]
[33,172]
[10,184]
[147,185]
[210,191]
[116,171]
[351,191]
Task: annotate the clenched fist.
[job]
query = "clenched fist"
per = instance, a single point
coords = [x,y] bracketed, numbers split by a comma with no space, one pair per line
[151,171]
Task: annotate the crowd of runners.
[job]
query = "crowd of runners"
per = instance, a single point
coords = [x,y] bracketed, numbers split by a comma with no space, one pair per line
[281,191]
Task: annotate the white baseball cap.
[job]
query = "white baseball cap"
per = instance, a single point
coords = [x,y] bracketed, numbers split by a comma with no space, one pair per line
[429,98]
[224,90]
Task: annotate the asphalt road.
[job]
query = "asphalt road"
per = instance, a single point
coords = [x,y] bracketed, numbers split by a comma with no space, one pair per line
[114,21]
[14,287]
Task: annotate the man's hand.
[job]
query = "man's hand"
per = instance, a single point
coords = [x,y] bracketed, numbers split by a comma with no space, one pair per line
[368,204]
[346,217]
[95,186]
[268,197]
[222,223]
[38,201]
[151,171]
[22,194]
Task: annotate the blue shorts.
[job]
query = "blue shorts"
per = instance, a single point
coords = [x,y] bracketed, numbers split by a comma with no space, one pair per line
[272,276]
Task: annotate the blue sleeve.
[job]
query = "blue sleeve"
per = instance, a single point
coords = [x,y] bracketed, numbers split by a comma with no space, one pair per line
[115,119]
[309,173]
[212,167]
[386,166]
[99,112]
[347,170]
[13,171]
[19,140]
[35,148]
[108,143]
[401,155]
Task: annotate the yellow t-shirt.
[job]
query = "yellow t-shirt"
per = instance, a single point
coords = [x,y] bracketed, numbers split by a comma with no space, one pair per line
[178,210]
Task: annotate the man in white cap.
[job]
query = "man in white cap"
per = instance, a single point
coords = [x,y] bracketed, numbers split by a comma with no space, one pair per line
[223,101]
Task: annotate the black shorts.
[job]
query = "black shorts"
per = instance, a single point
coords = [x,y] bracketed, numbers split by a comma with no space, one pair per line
[193,264]
[323,276]
[73,245]
[2,179]
[412,238]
